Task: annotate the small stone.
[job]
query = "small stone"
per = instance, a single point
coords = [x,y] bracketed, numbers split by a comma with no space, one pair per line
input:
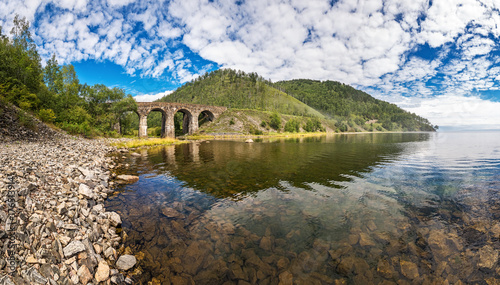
[127,178]
[102,272]
[97,248]
[125,262]
[84,274]
[61,209]
[488,257]
[170,213]
[114,219]
[73,247]
[84,171]
[35,277]
[365,240]
[70,227]
[31,259]
[86,191]
[286,278]
[135,154]
[109,252]
[117,279]
[266,244]
[64,240]
[385,269]
[409,269]
[249,141]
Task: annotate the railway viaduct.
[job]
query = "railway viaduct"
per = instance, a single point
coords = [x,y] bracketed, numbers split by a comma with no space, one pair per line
[168,110]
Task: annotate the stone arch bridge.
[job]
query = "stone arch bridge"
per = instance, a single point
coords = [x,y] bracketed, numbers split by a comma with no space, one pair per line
[168,110]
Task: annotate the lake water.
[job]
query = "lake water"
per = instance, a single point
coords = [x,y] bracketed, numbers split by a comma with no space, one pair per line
[415,208]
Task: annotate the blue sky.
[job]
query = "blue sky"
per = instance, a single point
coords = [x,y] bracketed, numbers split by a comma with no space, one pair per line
[439,59]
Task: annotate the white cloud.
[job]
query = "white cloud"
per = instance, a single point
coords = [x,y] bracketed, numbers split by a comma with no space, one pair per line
[119,3]
[152,97]
[455,110]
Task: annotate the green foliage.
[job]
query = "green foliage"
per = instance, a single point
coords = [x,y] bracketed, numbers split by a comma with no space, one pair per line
[254,131]
[80,109]
[292,126]
[47,115]
[231,122]
[343,103]
[76,115]
[263,124]
[275,121]
[342,126]
[314,125]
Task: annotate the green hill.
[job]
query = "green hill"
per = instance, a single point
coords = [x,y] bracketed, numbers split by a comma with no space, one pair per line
[355,107]
[236,89]
[339,107]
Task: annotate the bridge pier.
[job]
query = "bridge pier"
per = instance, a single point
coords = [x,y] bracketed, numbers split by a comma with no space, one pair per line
[193,126]
[143,125]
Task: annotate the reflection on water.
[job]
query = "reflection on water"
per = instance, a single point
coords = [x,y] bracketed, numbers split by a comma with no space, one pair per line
[346,209]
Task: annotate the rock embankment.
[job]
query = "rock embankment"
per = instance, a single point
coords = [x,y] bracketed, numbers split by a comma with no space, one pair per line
[18,125]
[54,228]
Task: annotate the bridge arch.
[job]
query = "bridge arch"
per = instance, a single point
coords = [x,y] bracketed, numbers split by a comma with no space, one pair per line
[187,118]
[205,116]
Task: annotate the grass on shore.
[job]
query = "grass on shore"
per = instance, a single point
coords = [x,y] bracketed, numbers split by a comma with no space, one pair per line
[265,135]
[147,142]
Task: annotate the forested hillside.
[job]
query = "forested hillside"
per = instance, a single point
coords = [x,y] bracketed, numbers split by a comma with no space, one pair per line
[236,89]
[54,93]
[348,108]
[345,103]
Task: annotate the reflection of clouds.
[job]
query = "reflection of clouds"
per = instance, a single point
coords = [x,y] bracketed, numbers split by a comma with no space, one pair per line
[442,166]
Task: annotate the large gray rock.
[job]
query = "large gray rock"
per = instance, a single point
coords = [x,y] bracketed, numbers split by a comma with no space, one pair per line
[125,262]
[73,248]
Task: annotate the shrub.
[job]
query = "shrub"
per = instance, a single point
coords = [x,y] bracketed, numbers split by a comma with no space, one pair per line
[255,131]
[314,125]
[275,121]
[47,115]
[263,124]
[231,122]
[379,128]
[292,126]
[342,126]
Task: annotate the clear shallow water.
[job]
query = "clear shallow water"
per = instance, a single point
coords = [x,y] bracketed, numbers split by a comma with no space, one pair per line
[343,209]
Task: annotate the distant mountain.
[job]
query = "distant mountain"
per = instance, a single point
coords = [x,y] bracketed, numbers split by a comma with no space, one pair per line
[348,108]
[343,102]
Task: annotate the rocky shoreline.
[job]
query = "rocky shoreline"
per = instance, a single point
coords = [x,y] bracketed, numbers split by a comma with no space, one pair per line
[54,227]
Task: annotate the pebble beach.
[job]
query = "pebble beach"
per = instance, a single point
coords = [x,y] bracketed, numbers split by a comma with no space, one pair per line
[54,228]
